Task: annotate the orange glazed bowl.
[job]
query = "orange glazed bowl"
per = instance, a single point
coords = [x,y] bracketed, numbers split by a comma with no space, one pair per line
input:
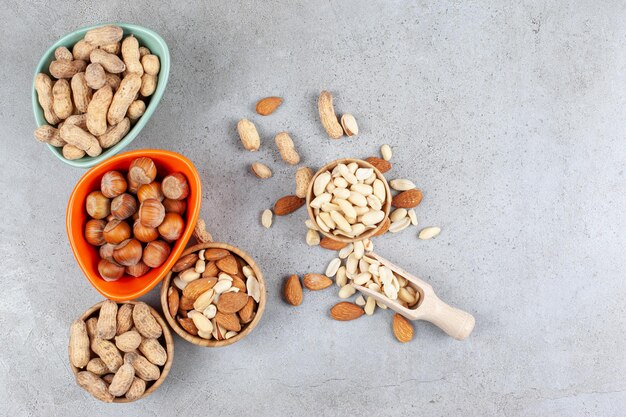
[88,256]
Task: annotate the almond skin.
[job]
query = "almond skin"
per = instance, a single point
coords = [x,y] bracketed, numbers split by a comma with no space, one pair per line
[231,302]
[331,244]
[292,290]
[380,164]
[228,321]
[228,264]
[346,311]
[407,199]
[172,301]
[268,105]
[213,254]
[187,324]
[288,204]
[199,286]
[246,314]
[185,262]
[316,282]
[402,328]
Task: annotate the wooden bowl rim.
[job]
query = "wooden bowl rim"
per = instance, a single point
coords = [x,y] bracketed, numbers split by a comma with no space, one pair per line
[386,204]
[169,348]
[196,340]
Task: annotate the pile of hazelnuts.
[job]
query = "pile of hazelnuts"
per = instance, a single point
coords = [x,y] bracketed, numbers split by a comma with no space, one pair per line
[135,219]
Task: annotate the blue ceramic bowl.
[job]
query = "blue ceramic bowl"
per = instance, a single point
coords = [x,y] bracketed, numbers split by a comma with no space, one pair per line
[146,38]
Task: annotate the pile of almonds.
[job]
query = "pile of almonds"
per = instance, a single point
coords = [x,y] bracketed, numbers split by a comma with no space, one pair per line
[215,294]
[135,218]
[119,353]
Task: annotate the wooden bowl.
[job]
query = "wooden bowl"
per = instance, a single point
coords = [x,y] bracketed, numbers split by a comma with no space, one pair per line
[169,348]
[196,340]
[386,204]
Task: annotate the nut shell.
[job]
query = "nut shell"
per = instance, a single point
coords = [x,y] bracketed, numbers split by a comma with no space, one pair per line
[128,252]
[156,253]
[97,205]
[152,190]
[94,232]
[175,206]
[143,233]
[113,184]
[116,231]
[172,227]
[138,269]
[175,186]
[151,213]
[142,170]
[123,206]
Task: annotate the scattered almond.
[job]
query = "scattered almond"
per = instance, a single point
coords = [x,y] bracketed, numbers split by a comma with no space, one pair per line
[327,115]
[401,184]
[350,127]
[288,204]
[268,105]
[429,232]
[402,328]
[407,199]
[345,311]
[292,290]
[261,170]
[316,282]
[248,135]
[385,151]
[380,164]
[312,238]
[266,218]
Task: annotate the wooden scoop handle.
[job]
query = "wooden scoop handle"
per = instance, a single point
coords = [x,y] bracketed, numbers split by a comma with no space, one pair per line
[456,323]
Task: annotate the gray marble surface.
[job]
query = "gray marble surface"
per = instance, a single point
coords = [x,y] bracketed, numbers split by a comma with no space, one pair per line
[509,116]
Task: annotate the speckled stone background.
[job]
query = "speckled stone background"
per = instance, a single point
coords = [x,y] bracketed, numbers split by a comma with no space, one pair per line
[510,117]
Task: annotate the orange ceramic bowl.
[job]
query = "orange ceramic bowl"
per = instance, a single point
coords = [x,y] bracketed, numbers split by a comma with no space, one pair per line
[129,287]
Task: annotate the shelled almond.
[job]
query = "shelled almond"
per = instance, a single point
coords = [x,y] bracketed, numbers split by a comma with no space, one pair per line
[109,361]
[214,295]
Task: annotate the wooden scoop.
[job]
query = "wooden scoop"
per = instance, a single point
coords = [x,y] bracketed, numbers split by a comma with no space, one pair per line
[456,323]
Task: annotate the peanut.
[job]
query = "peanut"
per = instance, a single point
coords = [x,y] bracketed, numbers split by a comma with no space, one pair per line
[112,48]
[144,369]
[63,54]
[114,81]
[107,320]
[151,64]
[129,341]
[136,109]
[144,321]
[104,35]
[303,179]
[98,367]
[43,85]
[79,344]
[94,385]
[66,69]
[123,97]
[148,85]
[62,99]
[49,134]
[82,50]
[124,319]
[95,77]
[115,133]
[81,92]
[97,111]
[136,390]
[110,62]
[327,115]
[108,353]
[144,51]
[130,55]
[287,148]
[153,351]
[92,326]
[122,380]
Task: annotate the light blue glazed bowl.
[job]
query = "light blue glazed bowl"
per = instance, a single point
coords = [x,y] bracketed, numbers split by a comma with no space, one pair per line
[146,38]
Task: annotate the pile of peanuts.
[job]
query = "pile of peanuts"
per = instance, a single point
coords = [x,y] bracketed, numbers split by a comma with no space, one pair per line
[97,91]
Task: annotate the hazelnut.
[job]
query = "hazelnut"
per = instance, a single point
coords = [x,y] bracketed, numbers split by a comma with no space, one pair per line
[151,213]
[113,184]
[128,252]
[110,271]
[172,226]
[97,205]
[152,190]
[175,206]
[123,206]
[143,233]
[116,231]
[106,251]
[175,186]
[133,186]
[138,269]
[93,232]
[142,170]
[156,253]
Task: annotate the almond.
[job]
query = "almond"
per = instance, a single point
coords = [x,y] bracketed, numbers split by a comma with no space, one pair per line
[345,311]
[231,302]
[210,270]
[261,170]
[292,290]
[185,262]
[407,199]
[185,303]
[213,254]
[248,135]
[187,324]
[228,321]
[173,299]
[331,244]
[327,115]
[199,286]
[268,105]
[379,163]
[228,264]
[239,283]
[402,328]
[288,204]
[384,227]
[316,282]
[246,314]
